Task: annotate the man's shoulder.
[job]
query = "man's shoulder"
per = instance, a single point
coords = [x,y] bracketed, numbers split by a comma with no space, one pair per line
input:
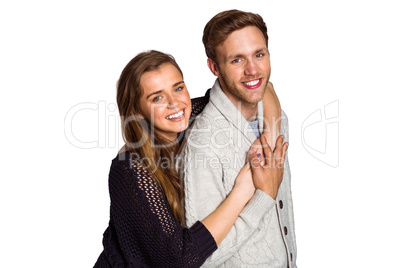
[204,131]
[284,125]
[208,119]
[284,117]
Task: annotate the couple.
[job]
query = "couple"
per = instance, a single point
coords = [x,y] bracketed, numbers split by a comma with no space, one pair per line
[245,209]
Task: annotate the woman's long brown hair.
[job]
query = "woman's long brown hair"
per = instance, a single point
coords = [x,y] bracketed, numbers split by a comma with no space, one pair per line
[157,154]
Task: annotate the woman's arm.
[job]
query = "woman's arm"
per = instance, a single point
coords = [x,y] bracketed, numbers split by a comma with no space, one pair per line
[272,115]
[142,229]
[222,219]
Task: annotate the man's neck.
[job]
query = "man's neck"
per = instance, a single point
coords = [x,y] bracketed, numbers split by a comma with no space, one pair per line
[248,110]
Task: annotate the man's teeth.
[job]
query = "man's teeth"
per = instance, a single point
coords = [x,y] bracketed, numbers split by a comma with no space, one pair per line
[252,83]
[175,115]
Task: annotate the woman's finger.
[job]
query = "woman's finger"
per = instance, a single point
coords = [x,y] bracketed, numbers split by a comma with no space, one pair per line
[256,146]
[245,167]
[253,159]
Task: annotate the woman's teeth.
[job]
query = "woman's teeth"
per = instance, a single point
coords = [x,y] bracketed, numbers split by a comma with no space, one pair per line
[175,115]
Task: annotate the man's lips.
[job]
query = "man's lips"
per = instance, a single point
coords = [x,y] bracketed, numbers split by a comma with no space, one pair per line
[253,84]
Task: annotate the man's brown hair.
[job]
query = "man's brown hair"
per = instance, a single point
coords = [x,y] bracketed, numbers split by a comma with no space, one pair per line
[224,23]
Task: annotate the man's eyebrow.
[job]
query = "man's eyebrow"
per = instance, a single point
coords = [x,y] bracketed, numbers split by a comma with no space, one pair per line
[234,57]
[263,49]
[153,93]
[178,83]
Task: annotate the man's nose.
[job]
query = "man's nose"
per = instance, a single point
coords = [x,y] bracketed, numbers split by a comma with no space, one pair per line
[251,68]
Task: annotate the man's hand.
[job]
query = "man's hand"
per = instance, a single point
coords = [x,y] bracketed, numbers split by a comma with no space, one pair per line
[267,168]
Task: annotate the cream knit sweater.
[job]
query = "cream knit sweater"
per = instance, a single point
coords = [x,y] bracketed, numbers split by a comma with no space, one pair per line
[212,154]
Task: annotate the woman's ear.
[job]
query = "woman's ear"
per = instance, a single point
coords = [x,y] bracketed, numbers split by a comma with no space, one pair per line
[213,67]
[139,115]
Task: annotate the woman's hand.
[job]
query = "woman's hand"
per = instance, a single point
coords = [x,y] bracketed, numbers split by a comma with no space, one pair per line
[222,219]
[244,184]
[267,166]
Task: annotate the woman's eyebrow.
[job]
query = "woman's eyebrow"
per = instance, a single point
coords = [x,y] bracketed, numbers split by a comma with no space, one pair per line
[153,93]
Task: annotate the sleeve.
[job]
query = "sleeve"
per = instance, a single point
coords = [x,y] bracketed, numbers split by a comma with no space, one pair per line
[198,104]
[203,177]
[146,230]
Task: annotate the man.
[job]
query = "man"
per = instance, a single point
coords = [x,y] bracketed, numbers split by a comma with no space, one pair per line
[216,146]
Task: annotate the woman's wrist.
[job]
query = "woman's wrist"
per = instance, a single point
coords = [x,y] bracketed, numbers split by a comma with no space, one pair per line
[240,195]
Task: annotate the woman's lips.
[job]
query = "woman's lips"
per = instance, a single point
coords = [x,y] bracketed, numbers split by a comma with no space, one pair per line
[176,116]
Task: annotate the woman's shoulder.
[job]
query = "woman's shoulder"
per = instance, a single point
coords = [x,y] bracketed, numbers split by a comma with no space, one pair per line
[128,172]
[128,162]
[198,104]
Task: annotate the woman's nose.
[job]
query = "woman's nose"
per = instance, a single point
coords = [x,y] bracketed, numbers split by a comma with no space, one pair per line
[172,102]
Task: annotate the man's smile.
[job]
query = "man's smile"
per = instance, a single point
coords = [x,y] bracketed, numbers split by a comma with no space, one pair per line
[253,84]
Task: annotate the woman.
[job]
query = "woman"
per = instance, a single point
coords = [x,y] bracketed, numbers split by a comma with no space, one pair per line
[145,214]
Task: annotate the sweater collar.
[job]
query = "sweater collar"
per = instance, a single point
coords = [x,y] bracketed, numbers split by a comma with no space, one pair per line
[228,110]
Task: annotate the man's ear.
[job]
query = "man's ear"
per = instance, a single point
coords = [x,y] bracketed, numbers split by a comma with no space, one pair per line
[213,67]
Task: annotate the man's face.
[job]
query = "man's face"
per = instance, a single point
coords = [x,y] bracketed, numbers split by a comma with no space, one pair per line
[243,66]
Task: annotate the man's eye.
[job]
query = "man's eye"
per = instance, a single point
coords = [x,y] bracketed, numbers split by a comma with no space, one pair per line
[156,98]
[259,55]
[236,61]
[178,89]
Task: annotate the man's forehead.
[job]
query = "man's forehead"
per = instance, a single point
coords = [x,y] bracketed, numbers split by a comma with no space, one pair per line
[242,42]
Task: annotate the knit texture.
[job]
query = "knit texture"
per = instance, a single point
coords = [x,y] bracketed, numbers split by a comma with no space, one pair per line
[213,154]
[142,230]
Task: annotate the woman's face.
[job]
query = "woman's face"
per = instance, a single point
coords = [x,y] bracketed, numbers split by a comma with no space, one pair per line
[165,102]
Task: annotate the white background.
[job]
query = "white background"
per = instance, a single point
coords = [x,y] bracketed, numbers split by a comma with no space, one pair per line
[58,54]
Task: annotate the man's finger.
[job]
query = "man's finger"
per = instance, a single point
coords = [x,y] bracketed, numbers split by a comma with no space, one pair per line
[267,150]
[279,145]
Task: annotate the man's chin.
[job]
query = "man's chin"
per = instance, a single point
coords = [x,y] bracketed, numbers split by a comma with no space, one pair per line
[254,98]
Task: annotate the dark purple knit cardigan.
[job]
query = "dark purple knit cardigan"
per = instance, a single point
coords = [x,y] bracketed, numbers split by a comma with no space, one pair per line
[142,230]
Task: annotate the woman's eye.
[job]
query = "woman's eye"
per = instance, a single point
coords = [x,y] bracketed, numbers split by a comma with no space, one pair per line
[156,98]
[178,89]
